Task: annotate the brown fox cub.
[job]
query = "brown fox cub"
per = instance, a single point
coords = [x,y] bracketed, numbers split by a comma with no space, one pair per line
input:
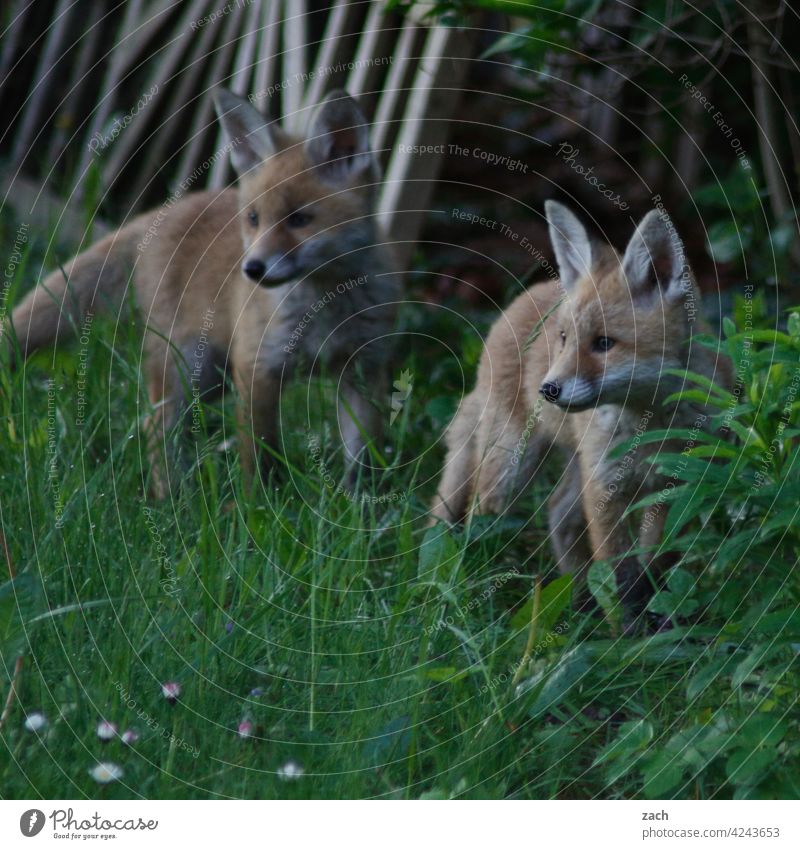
[580,365]
[289,267]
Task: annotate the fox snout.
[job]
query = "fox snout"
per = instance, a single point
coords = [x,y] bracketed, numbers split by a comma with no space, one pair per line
[550,390]
[573,393]
[271,270]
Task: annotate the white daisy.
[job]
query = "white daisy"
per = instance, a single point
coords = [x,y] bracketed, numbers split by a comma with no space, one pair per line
[106,772]
[106,730]
[171,691]
[290,771]
[36,722]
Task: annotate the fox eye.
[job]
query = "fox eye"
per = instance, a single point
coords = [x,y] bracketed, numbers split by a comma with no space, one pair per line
[252,217]
[298,219]
[603,344]
[563,338]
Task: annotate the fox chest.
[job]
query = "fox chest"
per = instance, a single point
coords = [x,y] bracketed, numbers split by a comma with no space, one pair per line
[617,455]
[312,331]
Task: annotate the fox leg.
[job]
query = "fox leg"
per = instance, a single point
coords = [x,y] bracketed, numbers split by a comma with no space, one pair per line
[511,454]
[460,469]
[567,523]
[166,400]
[178,377]
[651,532]
[610,540]
[359,424]
[257,409]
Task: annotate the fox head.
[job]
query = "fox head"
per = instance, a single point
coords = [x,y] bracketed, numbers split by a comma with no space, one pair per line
[623,320]
[305,204]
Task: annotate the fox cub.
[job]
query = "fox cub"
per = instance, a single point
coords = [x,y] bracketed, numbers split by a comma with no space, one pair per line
[289,268]
[580,365]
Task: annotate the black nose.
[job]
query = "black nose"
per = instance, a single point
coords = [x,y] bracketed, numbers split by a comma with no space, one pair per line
[254,269]
[551,390]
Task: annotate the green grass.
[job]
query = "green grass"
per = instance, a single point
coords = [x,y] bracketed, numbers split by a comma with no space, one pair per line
[375,654]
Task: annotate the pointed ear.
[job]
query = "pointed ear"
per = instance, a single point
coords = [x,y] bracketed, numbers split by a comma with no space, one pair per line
[571,243]
[338,138]
[654,260]
[251,138]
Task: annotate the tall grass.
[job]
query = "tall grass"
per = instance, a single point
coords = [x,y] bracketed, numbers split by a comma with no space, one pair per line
[381,657]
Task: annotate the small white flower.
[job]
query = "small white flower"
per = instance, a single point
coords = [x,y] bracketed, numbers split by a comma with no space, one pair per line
[106,730]
[106,772]
[36,722]
[130,736]
[171,690]
[290,771]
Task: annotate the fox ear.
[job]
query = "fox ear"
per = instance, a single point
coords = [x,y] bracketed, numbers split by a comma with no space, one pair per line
[251,138]
[571,243]
[654,260]
[338,138]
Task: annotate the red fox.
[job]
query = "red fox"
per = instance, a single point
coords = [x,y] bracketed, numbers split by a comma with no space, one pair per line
[291,267]
[581,365]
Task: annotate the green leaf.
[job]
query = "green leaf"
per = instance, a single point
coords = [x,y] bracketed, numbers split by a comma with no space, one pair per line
[436,794]
[602,583]
[680,581]
[672,604]
[785,622]
[695,377]
[675,435]
[441,409]
[663,774]
[555,597]
[737,193]
[727,241]
[729,328]
[745,764]
[712,452]
[445,673]
[753,660]
[761,729]
[707,676]
[551,686]
[632,737]
[696,396]
[20,600]
[438,554]
[769,337]
[392,742]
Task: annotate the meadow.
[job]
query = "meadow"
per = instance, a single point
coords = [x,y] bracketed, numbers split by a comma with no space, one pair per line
[328,645]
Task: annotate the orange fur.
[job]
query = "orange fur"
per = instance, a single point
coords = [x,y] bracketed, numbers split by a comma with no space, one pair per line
[187,264]
[561,393]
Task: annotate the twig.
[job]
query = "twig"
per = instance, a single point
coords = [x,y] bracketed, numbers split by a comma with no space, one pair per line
[767,119]
[12,693]
[787,85]
[526,656]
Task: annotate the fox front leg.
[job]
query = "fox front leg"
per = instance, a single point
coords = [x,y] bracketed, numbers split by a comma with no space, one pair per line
[567,523]
[257,407]
[610,538]
[360,425]
[168,403]
[651,533]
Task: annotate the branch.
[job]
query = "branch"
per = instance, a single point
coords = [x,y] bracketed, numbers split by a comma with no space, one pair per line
[760,40]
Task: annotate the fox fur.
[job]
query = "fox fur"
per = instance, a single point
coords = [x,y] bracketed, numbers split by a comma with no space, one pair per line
[288,268]
[573,368]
